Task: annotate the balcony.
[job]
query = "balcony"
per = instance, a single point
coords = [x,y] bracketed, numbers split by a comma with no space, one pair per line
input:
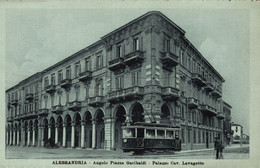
[220,115]
[116,64]
[130,93]
[216,93]
[96,101]
[29,96]
[58,109]
[209,87]
[85,76]
[134,58]
[193,103]
[17,118]
[74,106]
[198,79]
[170,93]
[10,119]
[43,112]
[14,102]
[30,115]
[66,83]
[169,60]
[208,109]
[50,89]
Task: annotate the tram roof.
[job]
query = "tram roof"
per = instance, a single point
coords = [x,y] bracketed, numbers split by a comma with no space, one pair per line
[154,125]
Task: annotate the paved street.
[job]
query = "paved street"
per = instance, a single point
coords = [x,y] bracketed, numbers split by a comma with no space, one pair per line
[233,152]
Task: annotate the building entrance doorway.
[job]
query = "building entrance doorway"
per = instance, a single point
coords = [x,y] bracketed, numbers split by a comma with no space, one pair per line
[120,121]
[100,130]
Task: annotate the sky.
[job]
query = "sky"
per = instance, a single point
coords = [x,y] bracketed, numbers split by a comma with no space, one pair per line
[39,38]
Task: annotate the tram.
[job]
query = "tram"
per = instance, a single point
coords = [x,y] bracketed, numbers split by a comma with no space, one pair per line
[141,137]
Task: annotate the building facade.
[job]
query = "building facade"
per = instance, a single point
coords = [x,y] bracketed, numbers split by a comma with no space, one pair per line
[144,71]
[228,133]
[238,132]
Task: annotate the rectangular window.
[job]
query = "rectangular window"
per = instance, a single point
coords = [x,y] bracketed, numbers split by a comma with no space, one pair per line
[119,82]
[46,83]
[68,72]
[136,44]
[52,79]
[167,45]
[99,87]
[87,64]
[119,51]
[60,76]
[77,69]
[182,112]
[99,61]
[87,92]
[135,78]
[77,94]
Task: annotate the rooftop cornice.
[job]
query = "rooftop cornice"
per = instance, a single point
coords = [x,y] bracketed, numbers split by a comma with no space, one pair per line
[142,18]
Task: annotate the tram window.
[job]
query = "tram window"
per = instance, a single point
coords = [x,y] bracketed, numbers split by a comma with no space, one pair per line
[169,134]
[150,133]
[177,134]
[129,133]
[160,133]
[140,133]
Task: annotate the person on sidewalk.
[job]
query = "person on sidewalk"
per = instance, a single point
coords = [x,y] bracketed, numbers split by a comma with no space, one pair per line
[218,147]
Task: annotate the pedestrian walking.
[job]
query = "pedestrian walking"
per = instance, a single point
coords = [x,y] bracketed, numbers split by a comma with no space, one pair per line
[218,147]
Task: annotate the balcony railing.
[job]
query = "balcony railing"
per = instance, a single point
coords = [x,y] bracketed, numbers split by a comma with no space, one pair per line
[135,57]
[14,102]
[130,93]
[117,63]
[96,101]
[193,103]
[58,109]
[209,87]
[50,89]
[10,119]
[29,96]
[30,115]
[216,93]
[66,83]
[198,79]
[74,106]
[43,112]
[169,59]
[17,117]
[85,76]
[170,93]
[208,109]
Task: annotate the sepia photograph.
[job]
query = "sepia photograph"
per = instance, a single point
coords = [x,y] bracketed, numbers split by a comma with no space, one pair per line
[97,85]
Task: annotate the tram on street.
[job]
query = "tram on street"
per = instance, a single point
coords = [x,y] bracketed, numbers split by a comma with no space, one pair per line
[141,137]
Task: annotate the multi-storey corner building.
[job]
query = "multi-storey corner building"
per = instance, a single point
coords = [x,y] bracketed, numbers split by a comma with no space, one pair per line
[227,124]
[143,71]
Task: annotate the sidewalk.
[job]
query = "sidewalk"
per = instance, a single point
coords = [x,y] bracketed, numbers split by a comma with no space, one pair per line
[210,149]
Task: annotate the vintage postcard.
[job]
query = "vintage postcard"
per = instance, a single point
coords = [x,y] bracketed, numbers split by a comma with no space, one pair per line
[129,83]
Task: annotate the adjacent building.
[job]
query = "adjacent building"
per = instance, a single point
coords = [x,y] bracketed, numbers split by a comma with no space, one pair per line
[146,70]
[228,132]
[238,132]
